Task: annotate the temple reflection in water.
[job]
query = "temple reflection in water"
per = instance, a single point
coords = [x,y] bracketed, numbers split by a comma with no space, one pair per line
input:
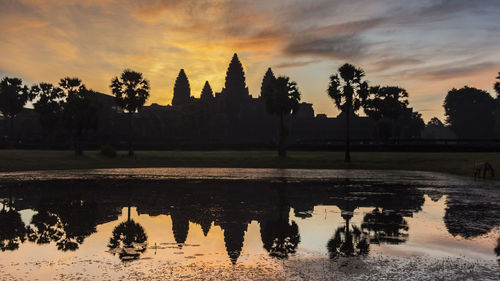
[67,212]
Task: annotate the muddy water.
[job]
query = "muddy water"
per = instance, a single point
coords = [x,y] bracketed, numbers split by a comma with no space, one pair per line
[247,224]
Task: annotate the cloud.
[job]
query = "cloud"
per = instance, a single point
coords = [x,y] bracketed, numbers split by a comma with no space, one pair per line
[395,41]
[389,63]
[336,41]
[454,70]
[457,71]
[294,64]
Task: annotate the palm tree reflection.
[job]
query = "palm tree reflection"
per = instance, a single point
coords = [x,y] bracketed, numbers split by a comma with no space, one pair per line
[348,241]
[128,240]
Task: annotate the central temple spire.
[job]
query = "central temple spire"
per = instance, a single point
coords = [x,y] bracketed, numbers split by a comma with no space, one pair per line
[235,85]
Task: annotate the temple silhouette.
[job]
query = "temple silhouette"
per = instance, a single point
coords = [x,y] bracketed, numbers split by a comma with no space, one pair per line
[229,118]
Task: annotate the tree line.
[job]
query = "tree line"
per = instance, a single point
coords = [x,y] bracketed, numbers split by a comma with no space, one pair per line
[470,112]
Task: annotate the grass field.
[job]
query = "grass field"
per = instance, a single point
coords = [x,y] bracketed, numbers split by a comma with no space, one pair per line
[453,163]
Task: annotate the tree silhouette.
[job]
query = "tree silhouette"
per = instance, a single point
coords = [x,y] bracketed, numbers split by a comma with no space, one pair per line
[435,129]
[13,97]
[79,109]
[12,230]
[497,86]
[435,123]
[497,250]
[79,220]
[496,125]
[66,223]
[384,105]
[279,237]
[416,125]
[131,91]
[48,105]
[44,227]
[282,98]
[349,92]
[182,91]
[385,227]
[468,218]
[207,95]
[470,112]
[128,240]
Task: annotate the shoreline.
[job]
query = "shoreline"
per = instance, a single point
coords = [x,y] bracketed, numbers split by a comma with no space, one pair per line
[453,163]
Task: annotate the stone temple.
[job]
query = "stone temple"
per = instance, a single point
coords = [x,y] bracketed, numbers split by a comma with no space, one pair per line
[230,118]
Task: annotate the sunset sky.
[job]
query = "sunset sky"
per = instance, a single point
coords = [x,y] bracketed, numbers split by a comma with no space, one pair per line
[425,46]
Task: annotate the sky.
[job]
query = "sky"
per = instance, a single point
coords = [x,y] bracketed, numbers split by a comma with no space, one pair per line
[426,46]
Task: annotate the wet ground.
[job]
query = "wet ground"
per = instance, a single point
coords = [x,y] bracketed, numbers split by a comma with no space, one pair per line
[247,224]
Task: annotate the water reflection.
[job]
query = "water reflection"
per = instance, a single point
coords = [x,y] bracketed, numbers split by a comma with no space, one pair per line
[128,240]
[67,212]
[348,240]
[12,230]
[280,237]
[385,226]
[497,250]
[66,223]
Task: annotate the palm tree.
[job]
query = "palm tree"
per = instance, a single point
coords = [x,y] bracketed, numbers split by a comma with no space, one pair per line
[131,91]
[282,98]
[348,92]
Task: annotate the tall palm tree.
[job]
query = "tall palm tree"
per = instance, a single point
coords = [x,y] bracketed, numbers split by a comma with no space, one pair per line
[131,91]
[348,91]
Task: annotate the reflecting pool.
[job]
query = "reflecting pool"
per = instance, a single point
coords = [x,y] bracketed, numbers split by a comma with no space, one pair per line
[247,224]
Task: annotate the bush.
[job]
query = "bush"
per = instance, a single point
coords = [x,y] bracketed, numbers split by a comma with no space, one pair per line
[108,151]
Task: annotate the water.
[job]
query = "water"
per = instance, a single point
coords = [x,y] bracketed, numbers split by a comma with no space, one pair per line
[247,224]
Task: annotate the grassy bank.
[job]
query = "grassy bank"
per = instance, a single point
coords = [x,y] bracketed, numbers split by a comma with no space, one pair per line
[453,163]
